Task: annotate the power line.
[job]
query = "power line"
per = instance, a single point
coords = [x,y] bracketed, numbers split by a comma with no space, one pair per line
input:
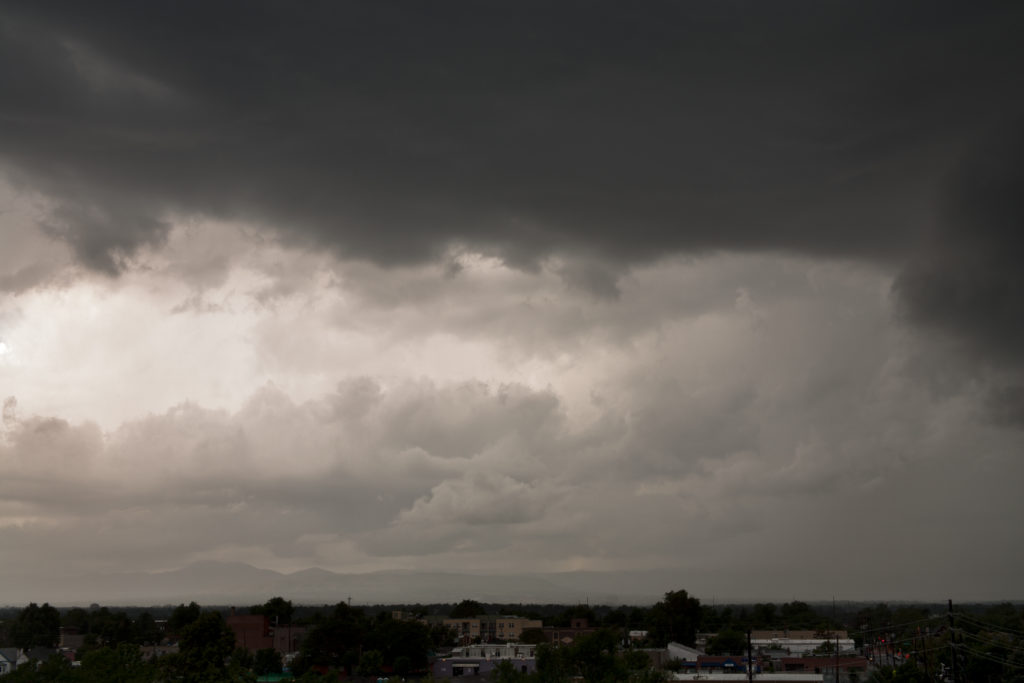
[989,641]
[997,660]
[900,625]
[978,622]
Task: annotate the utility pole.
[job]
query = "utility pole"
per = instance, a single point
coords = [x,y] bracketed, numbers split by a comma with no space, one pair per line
[750,659]
[837,655]
[924,651]
[891,650]
[952,644]
[835,624]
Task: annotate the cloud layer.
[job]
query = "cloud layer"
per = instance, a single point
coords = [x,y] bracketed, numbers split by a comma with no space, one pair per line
[394,132]
[515,286]
[736,405]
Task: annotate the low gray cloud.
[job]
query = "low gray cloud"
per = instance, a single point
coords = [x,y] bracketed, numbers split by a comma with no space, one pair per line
[268,474]
[395,132]
[778,415]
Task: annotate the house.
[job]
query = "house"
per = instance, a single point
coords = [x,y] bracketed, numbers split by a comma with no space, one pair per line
[288,638]
[252,631]
[505,628]
[481,660]
[40,654]
[567,635]
[466,630]
[71,638]
[155,651]
[10,658]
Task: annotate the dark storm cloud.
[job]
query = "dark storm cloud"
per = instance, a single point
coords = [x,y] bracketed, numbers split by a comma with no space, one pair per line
[968,275]
[394,130]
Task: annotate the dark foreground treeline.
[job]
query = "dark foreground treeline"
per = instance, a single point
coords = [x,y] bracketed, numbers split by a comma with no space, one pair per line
[123,644]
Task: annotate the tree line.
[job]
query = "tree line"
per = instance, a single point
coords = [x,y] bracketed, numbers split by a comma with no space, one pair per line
[985,641]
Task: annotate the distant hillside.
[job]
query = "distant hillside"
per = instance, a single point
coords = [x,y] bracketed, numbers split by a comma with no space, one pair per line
[243,584]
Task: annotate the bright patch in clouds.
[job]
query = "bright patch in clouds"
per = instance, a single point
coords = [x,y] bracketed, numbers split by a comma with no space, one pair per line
[462,416]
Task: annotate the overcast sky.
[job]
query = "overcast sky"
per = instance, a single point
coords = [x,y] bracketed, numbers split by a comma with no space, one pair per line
[727,288]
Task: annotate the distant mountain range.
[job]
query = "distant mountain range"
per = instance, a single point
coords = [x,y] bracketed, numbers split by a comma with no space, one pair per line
[236,583]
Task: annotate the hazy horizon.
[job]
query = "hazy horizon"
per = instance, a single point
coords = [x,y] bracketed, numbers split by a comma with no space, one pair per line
[233,583]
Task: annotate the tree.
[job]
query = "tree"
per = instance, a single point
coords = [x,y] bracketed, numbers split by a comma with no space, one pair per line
[727,642]
[675,619]
[182,616]
[594,656]
[371,663]
[442,635]
[576,612]
[505,672]
[990,656]
[467,609]
[204,650]
[311,676]
[1004,616]
[764,616]
[905,673]
[648,675]
[402,666]
[636,660]
[123,664]
[147,632]
[553,664]
[336,640]
[56,669]
[277,610]
[396,639]
[36,626]
[798,614]
[616,618]
[532,636]
[268,661]
[78,618]
[242,658]
[111,628]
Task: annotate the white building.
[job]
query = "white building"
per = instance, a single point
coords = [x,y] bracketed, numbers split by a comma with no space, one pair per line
[799,643]
[683,653]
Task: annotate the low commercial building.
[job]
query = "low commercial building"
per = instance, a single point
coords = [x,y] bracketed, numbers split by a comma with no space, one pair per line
[799,642]
[683,653]
[480,660]
[720,663]
[566,635]
[255,632]
[489,628]
[252,631]
[847,665]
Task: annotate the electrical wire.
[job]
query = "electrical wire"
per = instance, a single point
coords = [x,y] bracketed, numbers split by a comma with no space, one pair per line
[893,627]
[987,641]
[992,658]
[992,627]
